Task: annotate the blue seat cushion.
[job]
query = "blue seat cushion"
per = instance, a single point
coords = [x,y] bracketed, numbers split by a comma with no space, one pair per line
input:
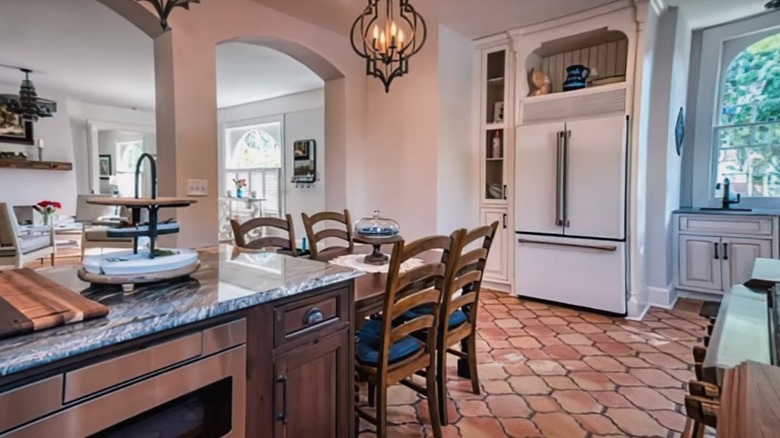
[456,319]
[368,339]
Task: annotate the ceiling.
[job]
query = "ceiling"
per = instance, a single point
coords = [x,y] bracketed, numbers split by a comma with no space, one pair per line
[473,18]
[705,13]
[248,73]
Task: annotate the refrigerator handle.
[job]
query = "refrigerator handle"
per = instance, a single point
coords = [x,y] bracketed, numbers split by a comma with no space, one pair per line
[559,182]
[565,179]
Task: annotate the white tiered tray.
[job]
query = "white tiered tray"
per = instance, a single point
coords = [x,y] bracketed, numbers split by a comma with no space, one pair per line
[128,268]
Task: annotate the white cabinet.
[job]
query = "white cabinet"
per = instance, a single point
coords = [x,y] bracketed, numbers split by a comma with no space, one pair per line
[715,252]
[700,264]
[497,268]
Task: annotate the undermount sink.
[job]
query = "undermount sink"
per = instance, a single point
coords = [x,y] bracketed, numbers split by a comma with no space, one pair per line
[724,209]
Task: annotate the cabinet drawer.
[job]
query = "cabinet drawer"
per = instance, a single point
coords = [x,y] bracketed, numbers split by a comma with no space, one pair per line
[29,402]
[757,226]
[301,317]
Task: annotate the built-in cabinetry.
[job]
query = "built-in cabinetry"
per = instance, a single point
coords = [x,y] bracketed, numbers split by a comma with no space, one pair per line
[713,252]
[494,60]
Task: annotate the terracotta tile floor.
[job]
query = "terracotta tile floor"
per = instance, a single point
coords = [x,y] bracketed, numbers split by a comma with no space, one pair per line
[555,372]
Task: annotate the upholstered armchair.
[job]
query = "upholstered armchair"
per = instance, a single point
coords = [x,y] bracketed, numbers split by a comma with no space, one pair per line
[17,247]
[96,220]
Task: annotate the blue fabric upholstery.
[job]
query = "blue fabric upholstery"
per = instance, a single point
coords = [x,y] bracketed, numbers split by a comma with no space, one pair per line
[456,319]
[367,348]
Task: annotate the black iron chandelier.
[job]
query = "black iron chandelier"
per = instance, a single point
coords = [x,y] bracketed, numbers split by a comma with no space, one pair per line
[164,8]
[27,104]
[386,36]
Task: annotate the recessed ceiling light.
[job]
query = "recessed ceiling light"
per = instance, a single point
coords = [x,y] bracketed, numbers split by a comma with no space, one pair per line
[773,4]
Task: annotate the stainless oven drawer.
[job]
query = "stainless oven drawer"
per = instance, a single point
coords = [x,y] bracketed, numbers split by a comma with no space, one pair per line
[30,402]
[103,375]
[101,413]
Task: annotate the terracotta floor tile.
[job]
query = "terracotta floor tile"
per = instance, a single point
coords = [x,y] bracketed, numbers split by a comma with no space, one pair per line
[524,342]
[560,382]
[575,339]
[529,385]
[655,378]
[473,408]
[509,323]
[520,428]
[592,381]
[646,398]
[558,425]
[670,419]
[585,328]
[615,348]
[546,367]
[624,379]
[611,399]
[480,428]
[661,360]
[635,423]
[562,352]
[557,372]
[596,424]
[542,403]
[604,363]
[496,387]
[508,406]
[576,401]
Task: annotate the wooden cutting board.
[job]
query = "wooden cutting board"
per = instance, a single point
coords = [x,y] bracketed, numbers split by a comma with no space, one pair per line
[30,302]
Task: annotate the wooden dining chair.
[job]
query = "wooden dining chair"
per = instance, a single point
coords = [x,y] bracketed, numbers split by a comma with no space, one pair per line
[458,311]
[389,353]
[315,238]
[241,230]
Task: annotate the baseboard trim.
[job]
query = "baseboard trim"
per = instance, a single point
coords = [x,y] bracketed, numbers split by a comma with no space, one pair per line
[700,296]
[498,286]
[663,297]
[636,310]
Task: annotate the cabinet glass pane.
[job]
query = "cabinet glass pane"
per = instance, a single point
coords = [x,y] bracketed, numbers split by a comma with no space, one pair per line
[494,164]
[494,92]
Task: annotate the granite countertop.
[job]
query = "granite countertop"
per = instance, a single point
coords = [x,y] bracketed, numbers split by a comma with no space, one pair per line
[225,283]
[753,212]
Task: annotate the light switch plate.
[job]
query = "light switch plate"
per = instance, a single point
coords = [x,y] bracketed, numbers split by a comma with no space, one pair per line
[197,187]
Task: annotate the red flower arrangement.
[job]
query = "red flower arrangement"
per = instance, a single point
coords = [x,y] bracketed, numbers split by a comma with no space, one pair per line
[47,208]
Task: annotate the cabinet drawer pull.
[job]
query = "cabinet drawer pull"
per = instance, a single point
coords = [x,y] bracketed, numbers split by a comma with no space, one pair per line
[716,251]
[313,316]
[725,251]
[282,416]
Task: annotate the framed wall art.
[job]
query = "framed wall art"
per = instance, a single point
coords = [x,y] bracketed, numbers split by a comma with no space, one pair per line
[13,129]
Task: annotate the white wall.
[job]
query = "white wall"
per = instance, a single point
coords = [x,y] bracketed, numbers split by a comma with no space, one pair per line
[27,187]
[457,196]
[303,118]
[668,94]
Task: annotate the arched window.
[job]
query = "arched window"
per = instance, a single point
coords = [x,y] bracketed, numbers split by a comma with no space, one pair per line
[255,149]
[747,130]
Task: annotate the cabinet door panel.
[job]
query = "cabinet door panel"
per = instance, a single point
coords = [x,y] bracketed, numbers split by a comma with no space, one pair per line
[700,262]
[536,178]
[497,267]
[311,396]
[596,178]
[740,255]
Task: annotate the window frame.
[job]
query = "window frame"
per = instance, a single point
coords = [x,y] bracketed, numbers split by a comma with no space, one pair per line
[719,46]
[224,138]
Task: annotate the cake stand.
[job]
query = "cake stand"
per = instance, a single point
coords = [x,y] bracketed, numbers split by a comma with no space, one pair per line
[138,266]
[377,257]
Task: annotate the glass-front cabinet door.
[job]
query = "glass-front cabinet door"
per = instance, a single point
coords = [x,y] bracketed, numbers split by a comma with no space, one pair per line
[494,125]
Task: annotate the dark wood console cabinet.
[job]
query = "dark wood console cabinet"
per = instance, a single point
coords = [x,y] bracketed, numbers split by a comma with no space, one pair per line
[300,366]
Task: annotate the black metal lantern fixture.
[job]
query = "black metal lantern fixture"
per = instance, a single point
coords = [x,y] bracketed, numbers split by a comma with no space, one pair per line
[386,36]
[27,104]
[164,8]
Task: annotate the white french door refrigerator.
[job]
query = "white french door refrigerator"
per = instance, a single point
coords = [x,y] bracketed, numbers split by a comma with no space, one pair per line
[570,212]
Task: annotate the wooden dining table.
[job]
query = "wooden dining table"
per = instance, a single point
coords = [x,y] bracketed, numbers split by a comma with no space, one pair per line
[370,288]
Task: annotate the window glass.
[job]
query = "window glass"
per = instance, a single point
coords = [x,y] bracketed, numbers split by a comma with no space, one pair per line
[747,133]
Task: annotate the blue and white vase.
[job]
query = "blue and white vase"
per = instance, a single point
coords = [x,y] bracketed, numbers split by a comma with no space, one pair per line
[576,77]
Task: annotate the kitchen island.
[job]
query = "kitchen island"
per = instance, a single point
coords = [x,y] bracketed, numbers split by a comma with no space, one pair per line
[254,344]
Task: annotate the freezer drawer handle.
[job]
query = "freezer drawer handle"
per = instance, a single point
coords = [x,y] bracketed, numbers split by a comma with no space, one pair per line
[609,248]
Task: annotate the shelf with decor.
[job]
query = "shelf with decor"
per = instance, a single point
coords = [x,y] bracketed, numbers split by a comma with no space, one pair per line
[36,165]
[576,64]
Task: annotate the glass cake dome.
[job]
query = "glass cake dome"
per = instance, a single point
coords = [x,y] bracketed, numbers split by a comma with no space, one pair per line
[376,226]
